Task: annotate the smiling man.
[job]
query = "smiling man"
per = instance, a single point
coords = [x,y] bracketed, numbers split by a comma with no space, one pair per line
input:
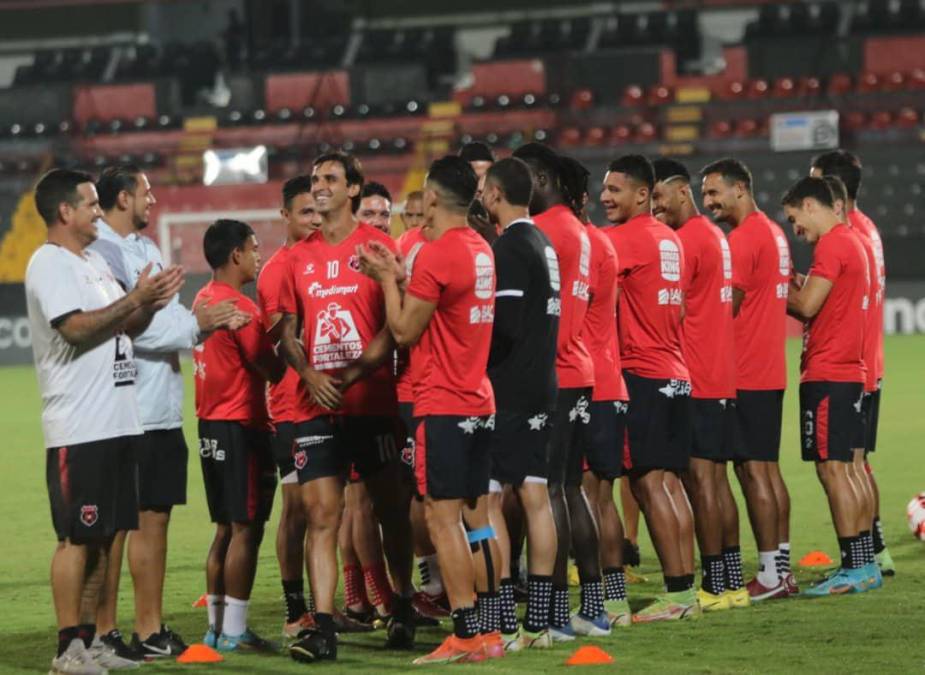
[376,206]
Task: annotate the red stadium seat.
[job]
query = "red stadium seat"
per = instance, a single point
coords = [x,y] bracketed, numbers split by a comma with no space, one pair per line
[839,84]
[854,120]
[746,128]
[809,86]
[895,81]
[632,96]
[646,132]
[733,90]
[881,120]
[582,99]
[784,87]
[659,95]
[757,89]
[620,134]
[868,83]
[720,129]
[595,136]
[570,136]
[907,118]
[916,79]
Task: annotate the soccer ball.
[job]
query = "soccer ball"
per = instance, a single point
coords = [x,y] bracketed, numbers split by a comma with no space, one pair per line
[915,511]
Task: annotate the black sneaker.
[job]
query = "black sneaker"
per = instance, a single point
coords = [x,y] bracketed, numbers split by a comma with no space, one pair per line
[400,628]
[313,645]
[113,640]
[630,553]
[166,643]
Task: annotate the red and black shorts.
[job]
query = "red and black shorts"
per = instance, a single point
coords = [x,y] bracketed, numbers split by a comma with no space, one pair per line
[341,446]
[93,489]
[758,422]
[283,439]
[830,414]
[866,436]
[658,424]
[565,452]
[713,424]
[603,438]
[162,460]
[452,456]
[518,446]
[238,471]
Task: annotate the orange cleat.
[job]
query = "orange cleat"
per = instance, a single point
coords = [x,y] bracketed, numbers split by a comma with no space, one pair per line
[493,645]
[453,650]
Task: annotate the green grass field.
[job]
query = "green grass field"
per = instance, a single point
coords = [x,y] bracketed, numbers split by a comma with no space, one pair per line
[876,630]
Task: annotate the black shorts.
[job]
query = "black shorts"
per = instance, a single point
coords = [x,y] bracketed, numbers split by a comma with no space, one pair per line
[93,489]
[330,445]
[713,428]
[603,438]
[162,459]
[409,428]
[518,446]
[758,421]
[452,456]
[238,471]
[871,420]
[658,424]
[565,453]
[283,439]
[830,414]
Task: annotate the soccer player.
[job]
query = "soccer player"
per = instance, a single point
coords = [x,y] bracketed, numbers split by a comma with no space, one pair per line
[412,216]
[346,407]
[603,437]
[81,323]
[658,423]
[480,157]
[708,351]
[760,277]
[832,300]
[446,317]
[376,206]
[231,369]
[554,208]
[522,370]
[301,219]
[847,167]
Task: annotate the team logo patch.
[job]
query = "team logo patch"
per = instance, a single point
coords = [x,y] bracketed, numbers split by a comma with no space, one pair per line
[407,452]
[300,459]
[354,263]
[89,514]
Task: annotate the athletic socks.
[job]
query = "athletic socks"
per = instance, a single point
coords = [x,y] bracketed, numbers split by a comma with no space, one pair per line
[66,636]
[852,552]
[767,569]
[215,608]
[782,560]
[877,535]
[592,598]
[293,592]
[676,584]
[354,587]
[614,583]
[465,622]
[489,609]
[732,568]
[689,581]
[86,632]
[431,580]
[508,607]
[378,588]
[867,544]
[325,623]
[558,609]
[235,621]
[539,601]
[713,576]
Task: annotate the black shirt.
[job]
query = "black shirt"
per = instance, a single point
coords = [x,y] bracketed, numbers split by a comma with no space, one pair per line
[522,361]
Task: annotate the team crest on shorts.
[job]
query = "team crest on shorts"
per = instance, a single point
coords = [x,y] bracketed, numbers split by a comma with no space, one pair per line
[89,514]
[300,459]
[407,453]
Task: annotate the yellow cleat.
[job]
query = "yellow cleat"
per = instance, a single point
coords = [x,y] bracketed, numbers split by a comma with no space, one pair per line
[633,578]
[738,598]
[710,602]
[573,579]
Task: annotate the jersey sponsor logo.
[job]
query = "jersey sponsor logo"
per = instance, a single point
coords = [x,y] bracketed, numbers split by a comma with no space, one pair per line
[584,258]
[552,262]
[199,365]
[316,290]
[676,388]
[727,257]
[780,290]
[669,296]
[581,411]
[783,255]
[580,289]
[725,294]
[554,307]
[669,256]
[409,259]
[89,514]
[124,370]
[484,276]
[337,341]
[538,421]
[809,429]
[208,449]
[481,314]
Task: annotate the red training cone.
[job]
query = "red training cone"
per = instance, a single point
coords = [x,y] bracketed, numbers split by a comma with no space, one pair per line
[589,655]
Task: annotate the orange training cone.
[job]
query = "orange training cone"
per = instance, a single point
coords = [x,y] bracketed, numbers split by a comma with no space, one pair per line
[815,559]
[589,655]
[201,602]
[200,653]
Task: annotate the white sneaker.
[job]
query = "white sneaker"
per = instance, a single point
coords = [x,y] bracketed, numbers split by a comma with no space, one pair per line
[76,660]
[107,658]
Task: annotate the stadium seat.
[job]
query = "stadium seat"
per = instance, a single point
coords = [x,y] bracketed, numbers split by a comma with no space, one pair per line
[720,129]
[784,87]
[632,96]
[659,95]
[646,132]
[570,136]
[581,99]
[620,134]
[854,120]
[757,89]
[868,83]
[839,84]
[746,128]
[809,86]
[733,90]
[881,120]
[595,136]
[894,81]
[907,118]
[916,79]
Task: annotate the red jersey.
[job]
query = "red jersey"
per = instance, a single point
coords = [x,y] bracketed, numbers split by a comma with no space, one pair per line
[651,264]
[570,241]
[227,387]
[341,310]
[707,332]
[281,396]
[833,340]
[760,269]
[600,329]
[409,244]
[873,352]
[457,272]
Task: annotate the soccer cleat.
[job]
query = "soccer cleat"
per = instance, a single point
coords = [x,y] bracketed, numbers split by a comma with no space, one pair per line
[113,640]
[366,615]
[790,582]
[713,602]
[619,612]
[400,634]
[861,578]
[76,660]
[427,606]
[512,640]
[539,640]
[573,579]
[248,640]
[106,657]
[837,583]
[453,649]
[738,598]
[305,622]
[562,633]
[632,577]
[345,624]
[166,643]
[598,626]
[758,592]
[885,563]
[670,607]
[492,645]
[210,639]
[314,645]
[875,576]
